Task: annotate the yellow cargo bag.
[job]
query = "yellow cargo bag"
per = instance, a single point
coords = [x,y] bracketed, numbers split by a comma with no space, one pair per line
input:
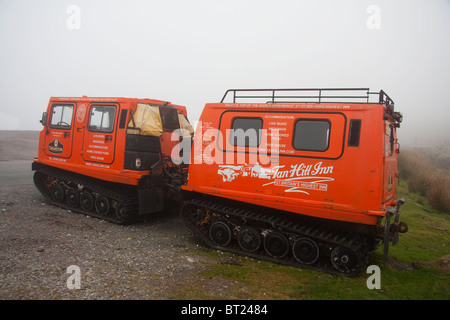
[186,129]
[147,119]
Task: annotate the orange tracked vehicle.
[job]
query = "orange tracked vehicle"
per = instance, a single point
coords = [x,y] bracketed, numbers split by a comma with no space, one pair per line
[109,157]
[305,177]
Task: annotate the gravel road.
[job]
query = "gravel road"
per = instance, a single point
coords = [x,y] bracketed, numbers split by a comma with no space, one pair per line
[155,259]
[17,172]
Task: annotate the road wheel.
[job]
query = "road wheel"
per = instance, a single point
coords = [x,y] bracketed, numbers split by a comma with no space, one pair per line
[102,204]
[305,251]
[57,192]
[344,259]
[87,201]
[220,233]
[73,197]
[249,239]
[276,244]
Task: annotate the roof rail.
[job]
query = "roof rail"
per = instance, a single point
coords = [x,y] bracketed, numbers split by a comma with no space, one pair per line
[327,95]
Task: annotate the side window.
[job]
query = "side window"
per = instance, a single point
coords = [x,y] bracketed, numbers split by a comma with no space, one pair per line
[246,132]
[102,119]
[169,118]
[354,134]
[312,134]
[61,116]
[123,118]
[391,140]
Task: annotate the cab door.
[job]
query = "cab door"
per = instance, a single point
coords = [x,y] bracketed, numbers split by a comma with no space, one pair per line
[59,133]
[100,135]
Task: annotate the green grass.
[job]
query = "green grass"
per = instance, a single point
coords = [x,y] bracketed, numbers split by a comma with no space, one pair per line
[414,271]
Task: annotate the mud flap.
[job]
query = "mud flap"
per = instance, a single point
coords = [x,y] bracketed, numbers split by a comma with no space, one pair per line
[151,194]
[391,230]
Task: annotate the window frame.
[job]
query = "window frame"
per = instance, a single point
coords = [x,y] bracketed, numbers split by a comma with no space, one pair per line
[61,126]
[162,113]
[247,141]
[111,125]
[311,120]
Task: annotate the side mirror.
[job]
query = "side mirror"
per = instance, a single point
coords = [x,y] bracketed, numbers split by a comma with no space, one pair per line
[44,119]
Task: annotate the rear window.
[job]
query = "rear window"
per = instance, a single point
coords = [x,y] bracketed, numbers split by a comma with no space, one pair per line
[312,134]
[169,118]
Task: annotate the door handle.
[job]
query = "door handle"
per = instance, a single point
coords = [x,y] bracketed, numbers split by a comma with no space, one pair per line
[108,137]
[66,134]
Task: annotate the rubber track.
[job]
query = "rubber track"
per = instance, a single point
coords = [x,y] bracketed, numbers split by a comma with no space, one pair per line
[121,194]
[293,227]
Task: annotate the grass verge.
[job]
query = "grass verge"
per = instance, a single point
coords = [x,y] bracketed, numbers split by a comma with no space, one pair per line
[419,268]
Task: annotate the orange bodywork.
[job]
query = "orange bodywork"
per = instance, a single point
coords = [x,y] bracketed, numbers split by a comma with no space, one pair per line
[75,147]
[351,177]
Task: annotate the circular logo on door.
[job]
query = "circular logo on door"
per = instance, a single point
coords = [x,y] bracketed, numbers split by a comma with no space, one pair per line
[81,113]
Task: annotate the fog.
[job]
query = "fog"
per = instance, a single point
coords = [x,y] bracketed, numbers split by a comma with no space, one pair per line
[190,52]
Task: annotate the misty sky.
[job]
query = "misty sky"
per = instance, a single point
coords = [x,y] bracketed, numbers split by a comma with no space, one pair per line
[189,52]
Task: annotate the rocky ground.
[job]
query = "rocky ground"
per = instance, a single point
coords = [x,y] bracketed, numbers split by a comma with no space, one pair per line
[154,259]
[39,243]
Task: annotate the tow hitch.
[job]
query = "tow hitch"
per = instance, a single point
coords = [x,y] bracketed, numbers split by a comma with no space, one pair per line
[391,230]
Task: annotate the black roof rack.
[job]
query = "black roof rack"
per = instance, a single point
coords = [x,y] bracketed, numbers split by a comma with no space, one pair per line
[327,95]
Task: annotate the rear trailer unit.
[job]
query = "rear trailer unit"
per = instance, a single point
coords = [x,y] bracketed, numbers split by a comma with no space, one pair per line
[305,177]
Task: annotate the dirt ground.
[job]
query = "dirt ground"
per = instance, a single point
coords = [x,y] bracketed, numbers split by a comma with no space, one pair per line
[40,244]
[18,145]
